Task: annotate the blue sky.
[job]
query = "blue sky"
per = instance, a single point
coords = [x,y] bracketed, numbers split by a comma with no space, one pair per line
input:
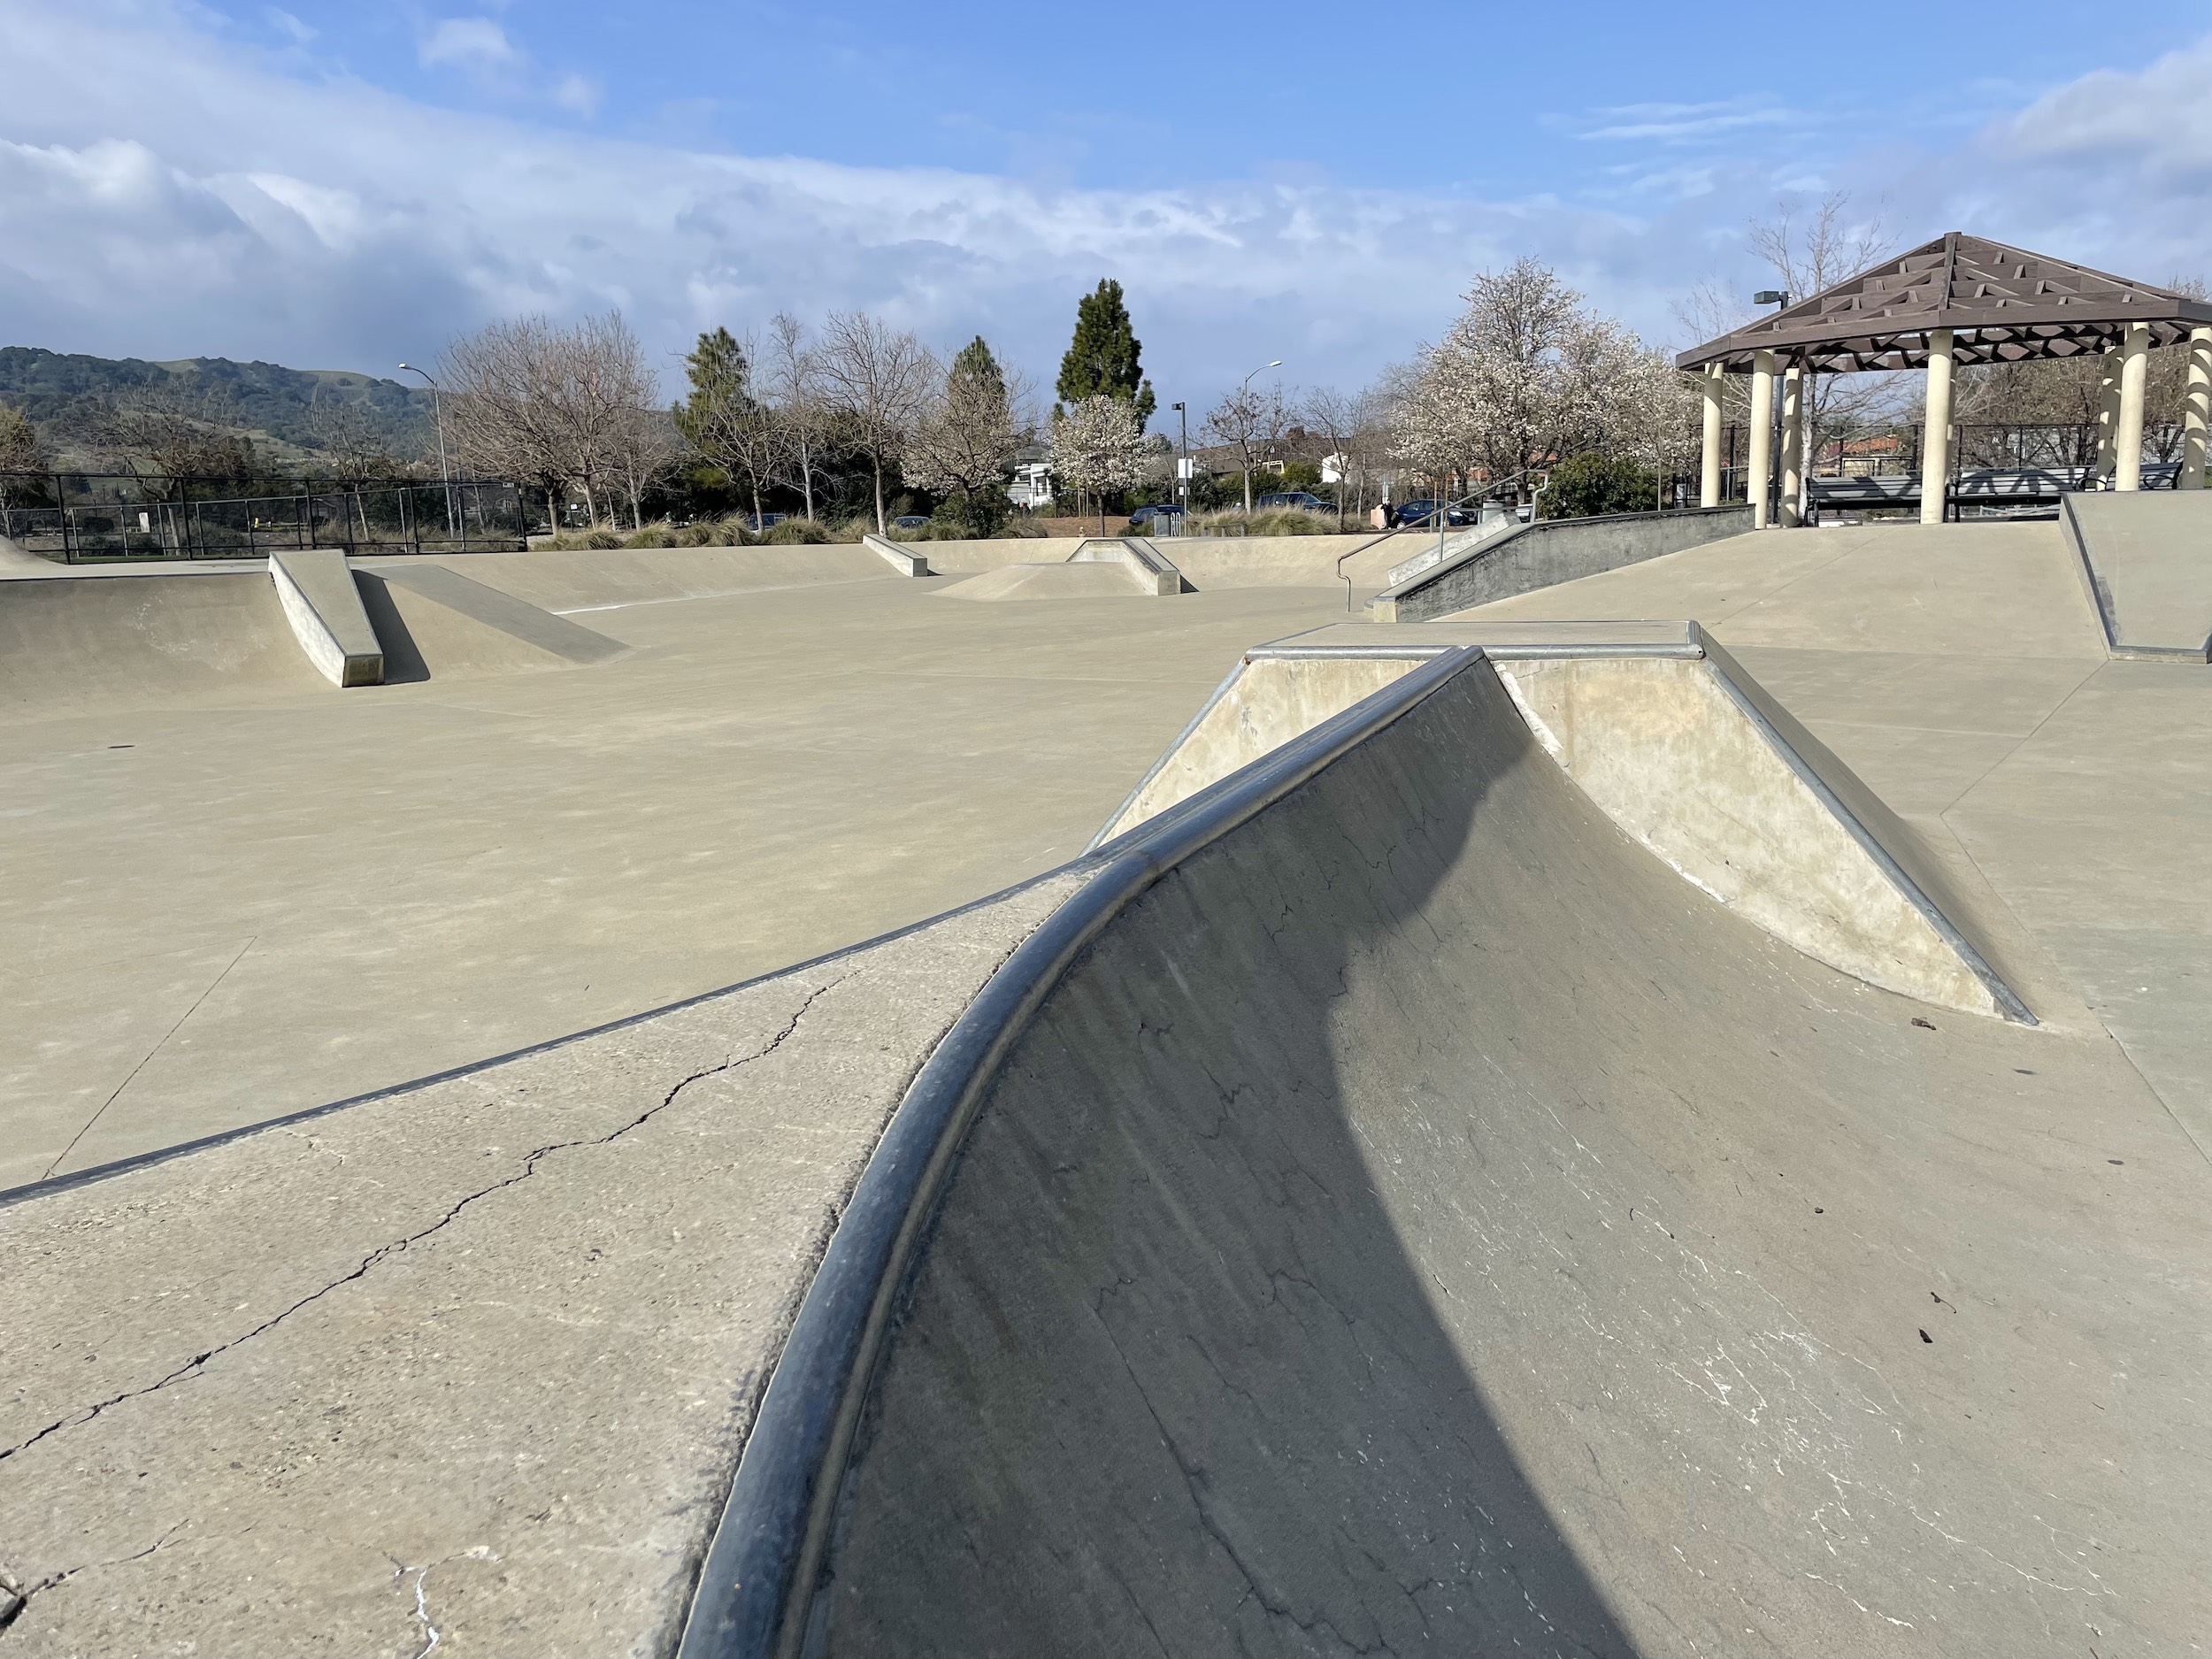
[343,185]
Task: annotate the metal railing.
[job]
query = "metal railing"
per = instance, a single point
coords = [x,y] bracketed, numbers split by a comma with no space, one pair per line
[78,517]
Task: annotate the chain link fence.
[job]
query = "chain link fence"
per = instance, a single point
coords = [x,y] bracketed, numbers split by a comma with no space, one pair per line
[77,518]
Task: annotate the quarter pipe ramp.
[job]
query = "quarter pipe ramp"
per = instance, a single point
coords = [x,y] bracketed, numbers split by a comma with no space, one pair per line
[1388,1208]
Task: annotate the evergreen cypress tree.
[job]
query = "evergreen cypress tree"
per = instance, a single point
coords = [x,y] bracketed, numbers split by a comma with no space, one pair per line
[1104,358]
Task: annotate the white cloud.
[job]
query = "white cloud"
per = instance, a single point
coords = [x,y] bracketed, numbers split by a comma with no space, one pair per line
[467,43]
[578,93]
[251,212]
[287,25]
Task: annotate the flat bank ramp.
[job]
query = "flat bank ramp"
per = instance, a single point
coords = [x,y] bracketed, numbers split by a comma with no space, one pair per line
[433,621]
[2145,560]
[1387,1211]
[71,643]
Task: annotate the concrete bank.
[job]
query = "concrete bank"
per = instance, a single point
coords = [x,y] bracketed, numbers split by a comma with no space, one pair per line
[1381,1235]
[1548,552]
[465,1366]
[2146,563]
[1683,750]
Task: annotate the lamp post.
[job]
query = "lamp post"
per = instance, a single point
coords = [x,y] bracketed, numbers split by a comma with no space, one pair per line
[1242,391]
[1182,465]
[437,406]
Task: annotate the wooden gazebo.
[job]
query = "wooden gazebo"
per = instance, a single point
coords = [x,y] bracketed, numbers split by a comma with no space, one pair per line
[1957,299]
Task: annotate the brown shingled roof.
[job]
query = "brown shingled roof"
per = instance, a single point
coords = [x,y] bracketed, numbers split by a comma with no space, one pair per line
[2004,304]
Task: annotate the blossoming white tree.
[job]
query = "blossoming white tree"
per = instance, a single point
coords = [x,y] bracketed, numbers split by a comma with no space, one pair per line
[1098,446]
[1530,373]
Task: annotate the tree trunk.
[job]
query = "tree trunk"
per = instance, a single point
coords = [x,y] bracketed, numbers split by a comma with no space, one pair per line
[806,474]
[1247,489]
[757,526]
[882,528]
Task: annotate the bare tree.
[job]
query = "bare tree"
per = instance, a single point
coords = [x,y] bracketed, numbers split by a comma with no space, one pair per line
[965,443]
[352,448]
[21,451]
[879,379]
[1099,447]
[1251,423]
[167,432]
[549,406]
[645,449]
[727,426]
[1334,417]
[501,406]
[793,381]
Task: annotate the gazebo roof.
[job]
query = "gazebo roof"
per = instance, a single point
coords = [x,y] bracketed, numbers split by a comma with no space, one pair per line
[2004,305]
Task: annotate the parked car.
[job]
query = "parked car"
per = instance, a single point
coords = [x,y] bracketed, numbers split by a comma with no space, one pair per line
[1303,499]
[910,521]
[765,521]
[1167,517]
[1424,513]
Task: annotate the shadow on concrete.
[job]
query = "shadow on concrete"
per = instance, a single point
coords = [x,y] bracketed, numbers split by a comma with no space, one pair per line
[404,664]
[1170,1380]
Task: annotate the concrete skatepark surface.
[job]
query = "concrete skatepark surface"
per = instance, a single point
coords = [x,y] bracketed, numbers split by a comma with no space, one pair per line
[1422,1215]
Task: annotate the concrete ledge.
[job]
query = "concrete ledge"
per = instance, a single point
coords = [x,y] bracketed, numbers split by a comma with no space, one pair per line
[899,559]
[1547,552]
[1148,567]
[325,610]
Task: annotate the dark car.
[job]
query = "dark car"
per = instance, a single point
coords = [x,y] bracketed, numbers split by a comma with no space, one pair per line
[766,521]
[1303,499]
[1167,518]
[1424,513]
[910,521]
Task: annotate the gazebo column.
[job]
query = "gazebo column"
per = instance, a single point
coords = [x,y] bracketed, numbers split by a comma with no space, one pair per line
[1709,474]
[2128,440]
[1792,441]
[1762,435]
[2107,415]
[2196,410]
[1935,445]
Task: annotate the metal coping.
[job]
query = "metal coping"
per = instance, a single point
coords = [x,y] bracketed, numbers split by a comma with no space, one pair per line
[2101,601]
[2008,1000]
[757,1584]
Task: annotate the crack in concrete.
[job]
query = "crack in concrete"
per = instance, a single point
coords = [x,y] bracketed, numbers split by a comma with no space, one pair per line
[15,1598]
[1194,1481]
[199,1362]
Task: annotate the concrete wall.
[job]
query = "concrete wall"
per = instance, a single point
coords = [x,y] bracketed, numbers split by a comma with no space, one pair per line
[1550,551]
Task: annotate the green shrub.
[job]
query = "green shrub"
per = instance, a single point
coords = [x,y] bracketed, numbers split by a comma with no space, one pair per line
[602,538]
[795,533]
[654,535]
[1266,521]
[971,517]
[1590,485]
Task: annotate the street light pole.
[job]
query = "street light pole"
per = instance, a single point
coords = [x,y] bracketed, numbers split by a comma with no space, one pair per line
[445,477]
[1182,465]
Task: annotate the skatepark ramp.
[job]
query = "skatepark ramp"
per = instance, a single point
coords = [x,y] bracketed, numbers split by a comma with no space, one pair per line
[2146,563]
[1374,1203]
[1385,1208]
[1682,748]
[1477,569]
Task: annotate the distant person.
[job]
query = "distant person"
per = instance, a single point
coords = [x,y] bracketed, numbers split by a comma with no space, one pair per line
[1379,517]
